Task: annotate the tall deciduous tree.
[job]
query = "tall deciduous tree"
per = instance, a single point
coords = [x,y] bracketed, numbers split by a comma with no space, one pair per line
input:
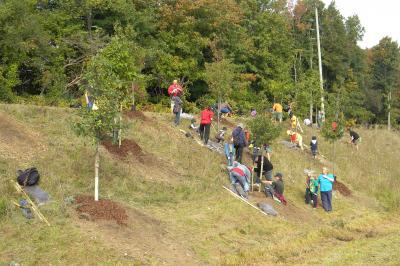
[385,69]
[220,76]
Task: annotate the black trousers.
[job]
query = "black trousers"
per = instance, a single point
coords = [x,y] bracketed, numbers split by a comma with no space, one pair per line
[311,196]
[239,153]
[205,132]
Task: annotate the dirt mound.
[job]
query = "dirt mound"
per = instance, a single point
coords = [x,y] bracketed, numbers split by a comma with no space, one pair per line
[101,210]
[225,122]
[345,191]
[136,115]
[128,147]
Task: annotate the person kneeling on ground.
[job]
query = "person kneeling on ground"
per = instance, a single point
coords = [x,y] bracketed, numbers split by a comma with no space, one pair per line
[193,125]
[274,189]
[239,174]
[311,195]
[225,109]
[325,181]
[296,138]
[220,137]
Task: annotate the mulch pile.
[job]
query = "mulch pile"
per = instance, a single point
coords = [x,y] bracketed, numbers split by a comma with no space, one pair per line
[128,147]
[136,115]
[342,188]
[102,209]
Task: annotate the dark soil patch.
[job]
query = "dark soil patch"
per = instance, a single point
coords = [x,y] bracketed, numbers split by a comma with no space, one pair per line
[128,147]
[101,210]
[136,115]
[339,186]
[344,238]
[225,122]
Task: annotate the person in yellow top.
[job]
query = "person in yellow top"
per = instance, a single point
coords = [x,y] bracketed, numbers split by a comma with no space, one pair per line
[293,122]
[296,138]
[277,112]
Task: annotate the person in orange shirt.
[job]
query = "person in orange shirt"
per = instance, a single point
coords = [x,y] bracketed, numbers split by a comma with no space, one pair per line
[277,112]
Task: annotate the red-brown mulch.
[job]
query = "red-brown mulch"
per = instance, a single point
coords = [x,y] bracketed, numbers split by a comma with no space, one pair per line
[342,188]
[136,114]
[102,209]
[128,147]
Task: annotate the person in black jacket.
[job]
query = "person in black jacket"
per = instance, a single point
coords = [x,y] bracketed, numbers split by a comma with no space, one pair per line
[267,169]
[354,138]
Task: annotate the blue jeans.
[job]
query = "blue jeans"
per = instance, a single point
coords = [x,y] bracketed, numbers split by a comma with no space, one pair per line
[177,118]
[326,199]
[235,177]
[229,153]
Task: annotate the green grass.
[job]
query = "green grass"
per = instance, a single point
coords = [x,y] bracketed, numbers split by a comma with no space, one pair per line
[179,191]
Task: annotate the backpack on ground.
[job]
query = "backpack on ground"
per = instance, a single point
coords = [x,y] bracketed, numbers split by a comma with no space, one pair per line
[28,177]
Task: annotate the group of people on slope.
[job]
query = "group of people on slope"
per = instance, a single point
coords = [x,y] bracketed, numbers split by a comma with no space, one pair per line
[322,184]
[240,174]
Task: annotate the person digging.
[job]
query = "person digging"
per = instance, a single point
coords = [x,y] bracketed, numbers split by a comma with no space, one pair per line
[274,189]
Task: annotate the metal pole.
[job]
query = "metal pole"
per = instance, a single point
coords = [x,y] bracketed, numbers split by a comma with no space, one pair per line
[320,62]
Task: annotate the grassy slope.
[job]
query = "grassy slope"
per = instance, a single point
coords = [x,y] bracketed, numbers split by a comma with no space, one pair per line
[178,211]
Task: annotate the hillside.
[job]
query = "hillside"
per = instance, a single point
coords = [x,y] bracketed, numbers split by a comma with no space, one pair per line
[177,212]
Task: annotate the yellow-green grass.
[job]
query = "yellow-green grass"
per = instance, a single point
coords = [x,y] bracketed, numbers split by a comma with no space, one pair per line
[180,192]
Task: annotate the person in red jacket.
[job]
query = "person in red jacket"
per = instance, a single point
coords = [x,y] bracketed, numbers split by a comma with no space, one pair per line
[174,90]
[206,118]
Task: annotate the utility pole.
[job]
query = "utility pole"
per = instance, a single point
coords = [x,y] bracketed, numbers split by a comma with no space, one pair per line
[320,64]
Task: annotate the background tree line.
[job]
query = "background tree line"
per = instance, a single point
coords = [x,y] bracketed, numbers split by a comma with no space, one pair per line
[266,47]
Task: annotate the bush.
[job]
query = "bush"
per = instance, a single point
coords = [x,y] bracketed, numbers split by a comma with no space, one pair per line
[263,130]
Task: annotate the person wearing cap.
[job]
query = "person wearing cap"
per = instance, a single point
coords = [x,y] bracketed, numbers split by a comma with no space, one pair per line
[174,90]
[239,174]
[274,189]
[239,141]
[325,181]
[206,118]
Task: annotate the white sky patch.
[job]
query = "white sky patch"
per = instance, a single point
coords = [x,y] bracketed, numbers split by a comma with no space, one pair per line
[379,18]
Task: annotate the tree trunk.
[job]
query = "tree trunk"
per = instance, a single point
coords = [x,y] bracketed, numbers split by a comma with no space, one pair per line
[334,156]
[219,112]
[120,128]
[311,112]
[389,101]
[262,166]
[96,173]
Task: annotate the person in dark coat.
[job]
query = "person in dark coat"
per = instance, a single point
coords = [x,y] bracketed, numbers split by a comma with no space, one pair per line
[239,141]
[267,169]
